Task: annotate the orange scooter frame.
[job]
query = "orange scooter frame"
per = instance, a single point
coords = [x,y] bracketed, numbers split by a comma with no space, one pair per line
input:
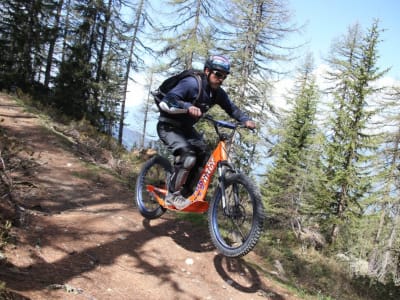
[198,204]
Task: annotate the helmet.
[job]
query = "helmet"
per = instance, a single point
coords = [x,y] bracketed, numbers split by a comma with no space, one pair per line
[218,62]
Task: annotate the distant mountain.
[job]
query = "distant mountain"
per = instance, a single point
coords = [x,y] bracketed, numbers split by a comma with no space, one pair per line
[132,138]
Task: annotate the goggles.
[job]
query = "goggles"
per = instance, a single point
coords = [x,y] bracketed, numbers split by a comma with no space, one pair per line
[219,74]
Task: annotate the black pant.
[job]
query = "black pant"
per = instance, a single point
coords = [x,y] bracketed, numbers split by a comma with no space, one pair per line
[180,140]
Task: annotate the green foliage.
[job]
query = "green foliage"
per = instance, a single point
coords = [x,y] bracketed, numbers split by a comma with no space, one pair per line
[293,183]
[310,273]
[73,84]
[188,37]
[350,150]
[5,233]
[372,289]
[74,42]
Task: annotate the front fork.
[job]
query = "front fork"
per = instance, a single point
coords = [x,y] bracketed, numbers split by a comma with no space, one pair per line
[223,168]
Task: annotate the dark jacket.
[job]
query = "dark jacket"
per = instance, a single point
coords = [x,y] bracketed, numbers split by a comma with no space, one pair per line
[186,91]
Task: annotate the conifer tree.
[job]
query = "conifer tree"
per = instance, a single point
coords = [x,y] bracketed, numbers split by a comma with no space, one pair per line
[351,146]
[188,35]
[74,82]
[293,180]
[383,256]
[88,81]
[253,36]
[53,33]
[24,35]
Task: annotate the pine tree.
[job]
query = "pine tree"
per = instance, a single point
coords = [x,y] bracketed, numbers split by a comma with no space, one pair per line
[351,146]
[74,82]
[293,179]
[23,36]
[88,84]
[53,32]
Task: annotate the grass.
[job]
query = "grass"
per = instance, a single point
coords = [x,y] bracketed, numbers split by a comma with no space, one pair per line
[92,172]
[198,220]
[314,275]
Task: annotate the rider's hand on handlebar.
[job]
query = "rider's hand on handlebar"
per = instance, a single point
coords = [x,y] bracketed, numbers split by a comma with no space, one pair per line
[250,124]
[194,111]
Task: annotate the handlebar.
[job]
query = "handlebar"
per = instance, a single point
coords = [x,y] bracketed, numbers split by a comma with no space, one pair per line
[222,123]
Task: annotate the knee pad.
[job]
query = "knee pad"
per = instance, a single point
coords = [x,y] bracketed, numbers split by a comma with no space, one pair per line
[186,160]
[189,161]
[183,165]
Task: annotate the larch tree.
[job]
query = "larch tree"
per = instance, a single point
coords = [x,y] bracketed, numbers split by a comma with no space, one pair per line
[293,177]
[187,34]
[351,145]
[253,36]
[384,257]
[148,103]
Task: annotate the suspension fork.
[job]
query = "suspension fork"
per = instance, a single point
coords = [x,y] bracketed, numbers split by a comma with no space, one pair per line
[224,167]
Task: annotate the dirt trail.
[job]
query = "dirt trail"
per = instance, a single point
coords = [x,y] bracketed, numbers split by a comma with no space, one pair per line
[83,239]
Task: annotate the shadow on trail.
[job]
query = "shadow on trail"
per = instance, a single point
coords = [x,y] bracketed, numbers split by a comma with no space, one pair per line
[189,237]
[18,117]
[40,274]
[242,276]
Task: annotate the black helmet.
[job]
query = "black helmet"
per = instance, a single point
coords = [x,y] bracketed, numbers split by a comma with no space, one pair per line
[218,62]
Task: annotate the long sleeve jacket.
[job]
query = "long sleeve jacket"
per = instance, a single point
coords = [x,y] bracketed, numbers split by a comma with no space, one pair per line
[182,96]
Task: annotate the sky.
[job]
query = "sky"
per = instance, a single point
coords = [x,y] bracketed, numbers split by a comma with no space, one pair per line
[326,20]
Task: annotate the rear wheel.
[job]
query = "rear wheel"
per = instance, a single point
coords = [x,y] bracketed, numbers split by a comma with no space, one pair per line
[236,229]
[154,172]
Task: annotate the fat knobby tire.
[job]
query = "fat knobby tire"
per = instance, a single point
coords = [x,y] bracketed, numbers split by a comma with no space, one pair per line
[141,194]
[257,222]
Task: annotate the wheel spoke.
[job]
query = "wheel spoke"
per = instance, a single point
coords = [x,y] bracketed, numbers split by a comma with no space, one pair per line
[151,182]
[236,229]
[236,197]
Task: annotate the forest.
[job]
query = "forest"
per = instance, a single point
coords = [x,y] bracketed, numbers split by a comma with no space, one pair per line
[331,176]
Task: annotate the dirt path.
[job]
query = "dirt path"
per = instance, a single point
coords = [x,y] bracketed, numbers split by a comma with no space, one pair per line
[83,239]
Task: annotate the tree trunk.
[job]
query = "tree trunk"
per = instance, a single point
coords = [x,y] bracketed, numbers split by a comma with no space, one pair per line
[146,111]
[65,32]
[387,257]
[128,69]
[101,55]
[52,45]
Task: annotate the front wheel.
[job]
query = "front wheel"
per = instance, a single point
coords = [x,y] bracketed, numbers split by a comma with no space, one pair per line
[153,173]
[236,229]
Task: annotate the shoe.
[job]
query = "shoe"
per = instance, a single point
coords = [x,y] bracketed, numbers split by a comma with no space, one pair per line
[186,191]
[177,200]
